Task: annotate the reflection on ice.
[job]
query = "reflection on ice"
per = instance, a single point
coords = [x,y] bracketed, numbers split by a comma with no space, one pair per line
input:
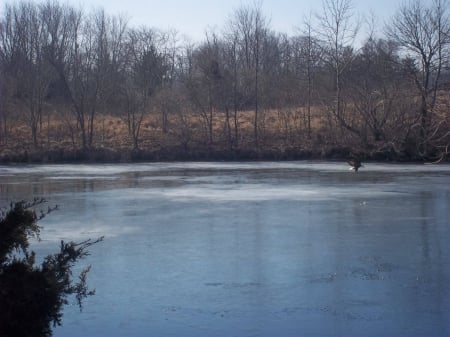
[117,169]
[256,192]
[75,232]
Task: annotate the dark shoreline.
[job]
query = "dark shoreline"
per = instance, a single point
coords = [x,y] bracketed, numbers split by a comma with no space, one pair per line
[107,155]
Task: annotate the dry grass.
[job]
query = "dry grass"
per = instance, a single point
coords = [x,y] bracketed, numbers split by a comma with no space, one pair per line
[280,132]
[277,129]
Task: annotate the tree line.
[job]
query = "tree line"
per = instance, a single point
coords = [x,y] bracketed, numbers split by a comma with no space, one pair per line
[244,89]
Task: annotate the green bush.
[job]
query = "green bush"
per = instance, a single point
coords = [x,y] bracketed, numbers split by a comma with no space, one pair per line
[32,296]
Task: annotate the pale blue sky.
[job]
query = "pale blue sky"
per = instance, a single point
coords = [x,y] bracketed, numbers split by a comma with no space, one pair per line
[193,17]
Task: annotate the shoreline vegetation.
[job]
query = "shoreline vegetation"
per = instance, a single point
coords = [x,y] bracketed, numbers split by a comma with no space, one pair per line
[80,86]
[113,145]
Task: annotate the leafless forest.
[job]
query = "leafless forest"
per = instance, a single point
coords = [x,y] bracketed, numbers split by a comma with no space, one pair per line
[79,85]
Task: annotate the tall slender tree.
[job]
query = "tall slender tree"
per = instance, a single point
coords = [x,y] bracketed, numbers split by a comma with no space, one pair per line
[337,30]
[250,28]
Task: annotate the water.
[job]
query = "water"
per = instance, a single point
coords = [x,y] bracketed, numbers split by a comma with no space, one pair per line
[251,249]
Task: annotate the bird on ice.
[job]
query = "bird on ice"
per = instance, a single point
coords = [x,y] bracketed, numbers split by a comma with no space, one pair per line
[355,164]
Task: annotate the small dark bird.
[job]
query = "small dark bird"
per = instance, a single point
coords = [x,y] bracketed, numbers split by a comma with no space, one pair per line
[355,164]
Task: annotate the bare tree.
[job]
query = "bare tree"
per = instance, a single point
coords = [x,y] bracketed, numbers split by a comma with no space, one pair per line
[337,31]
[204,82]
[143,77]
[233,64]
[5,95]
[83,50]
[4,110]
[424,33]
[23,56]
[310,53]
[63,26]
[250,28]
[169,51]
[377,90]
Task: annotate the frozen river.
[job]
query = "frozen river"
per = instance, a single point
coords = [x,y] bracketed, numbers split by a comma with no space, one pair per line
[251,249]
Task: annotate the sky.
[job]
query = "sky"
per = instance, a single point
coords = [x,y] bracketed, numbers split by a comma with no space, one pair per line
[191,18]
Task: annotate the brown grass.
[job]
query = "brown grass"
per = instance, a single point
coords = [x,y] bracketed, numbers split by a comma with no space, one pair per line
[281,132]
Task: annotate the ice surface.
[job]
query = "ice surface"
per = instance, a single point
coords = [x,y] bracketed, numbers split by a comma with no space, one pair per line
[251,249]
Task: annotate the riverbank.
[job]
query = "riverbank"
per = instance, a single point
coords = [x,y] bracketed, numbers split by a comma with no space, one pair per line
[59,141]
[108,155]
